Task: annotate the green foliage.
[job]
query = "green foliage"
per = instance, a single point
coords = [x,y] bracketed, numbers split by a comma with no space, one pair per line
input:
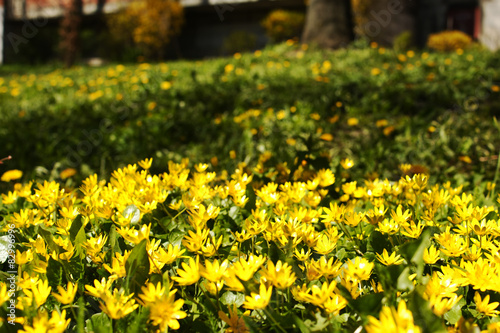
[404,41]
[240,41]
[437,111]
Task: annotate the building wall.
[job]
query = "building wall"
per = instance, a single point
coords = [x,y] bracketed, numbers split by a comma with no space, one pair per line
[490,34]
[207,27]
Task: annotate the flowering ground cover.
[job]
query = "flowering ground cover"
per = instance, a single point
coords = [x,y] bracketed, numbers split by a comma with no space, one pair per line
[290,190]
[193,250]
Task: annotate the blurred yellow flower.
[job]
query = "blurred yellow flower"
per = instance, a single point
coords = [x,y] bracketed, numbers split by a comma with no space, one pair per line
[347,163]
[326,137]
[352,121]
[165,85]
[66,173]
[465,159]
[11,175]
[392,321]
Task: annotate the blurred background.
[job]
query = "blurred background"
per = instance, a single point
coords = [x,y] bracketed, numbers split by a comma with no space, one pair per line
[40,31]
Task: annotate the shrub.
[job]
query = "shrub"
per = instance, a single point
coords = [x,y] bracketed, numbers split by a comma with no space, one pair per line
[148,24]
[449,41]
[240,41]
[281,24]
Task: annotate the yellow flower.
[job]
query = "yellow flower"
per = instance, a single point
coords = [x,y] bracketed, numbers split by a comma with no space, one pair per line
[328,268]
[388,227]
[117,305]
[4,295]
[334,304]
[11,175]
[94,245]
[412,230]
[325,177]
[399,216]
[167,311]
[389,260]
[375,71]
[165,85]
[213,271]
[392,321]
[190,274]
[23,257]
[431,255]
[302,256]
[244,269]
[258,300]
[66,173]
[41,323]
[146,163]
[484,306]
[326,137]
[347,163]
[100,288]
[352,121]
[360,268]
[66,296]
[325,245]
[281,275]
[41,291]
[9,198]
[117,268]
[170,255]
[465,159]
[195,241]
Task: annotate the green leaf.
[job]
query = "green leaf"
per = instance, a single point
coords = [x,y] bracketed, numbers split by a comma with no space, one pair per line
[54,273]
[341,254]
[138,324]
[230,297]
[99,323]
[175,238]
[414,251]
[300,324]
[252,198]
[369,304]
[379,242]
[234,212]
[47,236]
[75,267]
[455,313]
[75,228]
[319,325]
[404,282]
[423,315]
[80,319]
[113,240]
[137,268]
[78,241]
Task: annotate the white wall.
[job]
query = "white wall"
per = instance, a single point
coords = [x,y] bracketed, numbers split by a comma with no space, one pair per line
[490,30]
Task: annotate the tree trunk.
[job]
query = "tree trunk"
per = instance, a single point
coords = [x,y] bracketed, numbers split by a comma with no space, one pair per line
[69,32]
[329,23]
